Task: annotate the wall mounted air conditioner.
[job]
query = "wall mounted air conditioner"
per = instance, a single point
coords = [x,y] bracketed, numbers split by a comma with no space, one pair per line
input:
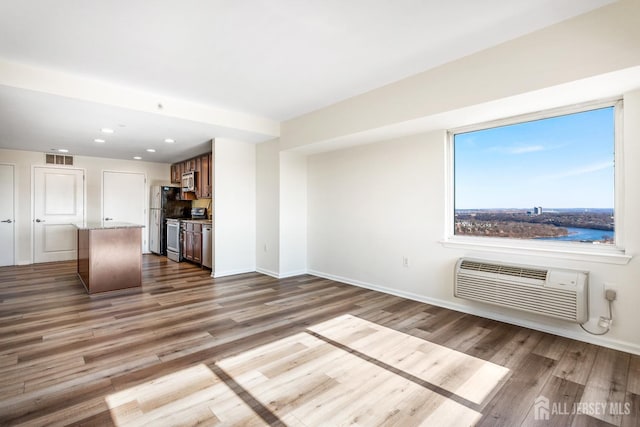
[558,293]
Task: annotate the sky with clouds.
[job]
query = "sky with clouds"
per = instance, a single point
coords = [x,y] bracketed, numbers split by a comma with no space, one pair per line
[561,162]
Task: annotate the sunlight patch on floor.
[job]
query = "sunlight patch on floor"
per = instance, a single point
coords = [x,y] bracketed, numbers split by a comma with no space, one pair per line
[186,397]
[344,371]
[466,376]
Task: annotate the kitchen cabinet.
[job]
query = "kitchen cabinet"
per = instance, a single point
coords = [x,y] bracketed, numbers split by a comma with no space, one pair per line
[187,251]
[189,165]
[207,187]
[198,169]
[192,241]
[179,169]
[203,166]
[197,243]
[175,173]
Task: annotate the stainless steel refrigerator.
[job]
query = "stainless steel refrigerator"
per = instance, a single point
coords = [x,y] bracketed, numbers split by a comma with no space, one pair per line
[165,203]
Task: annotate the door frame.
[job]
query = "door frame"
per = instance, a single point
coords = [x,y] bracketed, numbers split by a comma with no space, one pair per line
[147,203]
[15,217]
[33,199]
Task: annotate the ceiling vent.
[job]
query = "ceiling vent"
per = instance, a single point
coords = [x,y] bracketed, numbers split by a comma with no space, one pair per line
[58,159]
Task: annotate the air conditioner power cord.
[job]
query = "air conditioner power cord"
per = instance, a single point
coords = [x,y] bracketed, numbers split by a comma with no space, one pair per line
[610,319]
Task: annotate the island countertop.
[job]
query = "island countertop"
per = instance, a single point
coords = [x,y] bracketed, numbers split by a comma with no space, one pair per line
[105,225]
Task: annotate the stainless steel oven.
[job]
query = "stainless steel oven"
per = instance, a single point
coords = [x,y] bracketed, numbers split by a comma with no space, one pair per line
[173,240]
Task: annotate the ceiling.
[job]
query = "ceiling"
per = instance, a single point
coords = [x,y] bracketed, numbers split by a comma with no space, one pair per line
[269,60]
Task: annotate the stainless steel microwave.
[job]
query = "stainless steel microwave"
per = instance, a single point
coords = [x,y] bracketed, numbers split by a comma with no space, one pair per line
[189,181]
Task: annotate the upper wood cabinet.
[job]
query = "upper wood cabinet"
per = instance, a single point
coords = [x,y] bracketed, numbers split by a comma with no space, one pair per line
[175,174]
[203,167]
[205,176]
[198,169]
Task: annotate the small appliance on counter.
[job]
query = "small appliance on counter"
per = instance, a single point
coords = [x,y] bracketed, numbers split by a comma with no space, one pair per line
[199,213]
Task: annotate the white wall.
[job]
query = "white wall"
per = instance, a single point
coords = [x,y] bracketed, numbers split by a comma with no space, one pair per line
[268,208]
[373,205]
[281,206]
[293,214]
[370,206]
[156,173]
[602,41]
[235,207]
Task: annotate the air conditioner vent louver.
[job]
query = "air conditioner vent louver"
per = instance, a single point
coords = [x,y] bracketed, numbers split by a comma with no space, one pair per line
[504,269]
[557,293]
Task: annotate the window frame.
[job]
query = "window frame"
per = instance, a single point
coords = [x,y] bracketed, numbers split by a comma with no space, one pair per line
[573,250]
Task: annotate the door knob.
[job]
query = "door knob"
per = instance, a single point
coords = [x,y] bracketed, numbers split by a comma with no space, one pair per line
[108,219]
[8,220]
[39,220]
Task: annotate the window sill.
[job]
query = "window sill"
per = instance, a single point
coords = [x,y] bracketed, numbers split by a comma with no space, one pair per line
[600,254]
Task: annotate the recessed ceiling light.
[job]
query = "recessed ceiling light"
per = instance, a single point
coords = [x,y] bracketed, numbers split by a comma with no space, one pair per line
[169,141]
[63,150]
[151,150]
[99,140]
[106,130]
[137,158]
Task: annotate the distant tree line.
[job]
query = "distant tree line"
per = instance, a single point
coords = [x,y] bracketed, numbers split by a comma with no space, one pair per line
[592,220]
[510,229]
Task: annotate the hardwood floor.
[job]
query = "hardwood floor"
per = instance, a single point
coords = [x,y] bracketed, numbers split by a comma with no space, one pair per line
[252,350]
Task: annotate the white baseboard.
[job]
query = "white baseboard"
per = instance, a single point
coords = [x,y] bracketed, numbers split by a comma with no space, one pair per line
[577,335]
[268,272]
[292,273]
[217,274]
[281,276]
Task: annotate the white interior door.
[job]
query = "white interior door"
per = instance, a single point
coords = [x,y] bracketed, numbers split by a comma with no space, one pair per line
[124,199]
[7,216]
[58,204]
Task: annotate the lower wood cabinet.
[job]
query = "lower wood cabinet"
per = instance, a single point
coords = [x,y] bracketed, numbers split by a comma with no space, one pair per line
[192,242]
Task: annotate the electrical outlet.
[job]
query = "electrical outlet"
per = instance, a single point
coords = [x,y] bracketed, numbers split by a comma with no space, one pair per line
[610,295]
[609,291]
[405,261]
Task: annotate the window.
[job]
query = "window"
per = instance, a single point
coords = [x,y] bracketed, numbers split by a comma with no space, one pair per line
[547,178]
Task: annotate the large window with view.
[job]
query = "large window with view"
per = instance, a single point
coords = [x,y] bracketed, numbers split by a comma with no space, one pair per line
[548,177]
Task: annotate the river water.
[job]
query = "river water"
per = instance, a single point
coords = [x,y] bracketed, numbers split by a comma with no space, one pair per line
[578,234]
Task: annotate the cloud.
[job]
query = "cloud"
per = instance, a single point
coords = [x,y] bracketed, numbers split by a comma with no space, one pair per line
[526,149]
[582,170]
[522,149]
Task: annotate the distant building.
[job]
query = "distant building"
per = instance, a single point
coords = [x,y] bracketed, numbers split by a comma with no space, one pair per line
[537,210]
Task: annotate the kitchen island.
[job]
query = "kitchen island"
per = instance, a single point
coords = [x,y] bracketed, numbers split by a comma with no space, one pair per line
[109,255]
